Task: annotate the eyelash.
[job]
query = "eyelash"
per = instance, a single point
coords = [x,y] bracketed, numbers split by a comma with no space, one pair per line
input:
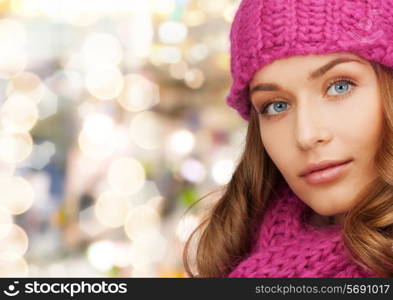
[331,83]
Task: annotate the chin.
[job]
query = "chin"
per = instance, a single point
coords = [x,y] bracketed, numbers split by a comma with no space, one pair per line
[328,211]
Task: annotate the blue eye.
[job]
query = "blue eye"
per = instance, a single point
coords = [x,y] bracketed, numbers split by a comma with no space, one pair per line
[340,87]
[278,107]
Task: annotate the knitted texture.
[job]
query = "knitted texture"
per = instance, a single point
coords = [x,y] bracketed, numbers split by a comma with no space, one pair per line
[263,31]
[288,246]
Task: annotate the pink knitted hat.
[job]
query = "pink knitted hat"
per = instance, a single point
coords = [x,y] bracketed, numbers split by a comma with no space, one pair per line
[265,30]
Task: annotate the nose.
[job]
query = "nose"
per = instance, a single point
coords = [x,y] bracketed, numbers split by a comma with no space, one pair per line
[311,129]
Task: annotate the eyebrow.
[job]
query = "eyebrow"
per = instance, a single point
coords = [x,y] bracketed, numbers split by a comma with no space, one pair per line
[312,76]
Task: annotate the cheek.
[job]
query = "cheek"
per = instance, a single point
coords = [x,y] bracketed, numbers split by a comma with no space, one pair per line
[276,141]
[361,127]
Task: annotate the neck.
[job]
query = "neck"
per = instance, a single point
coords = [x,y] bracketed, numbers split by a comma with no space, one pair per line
[339,219]
[321,221]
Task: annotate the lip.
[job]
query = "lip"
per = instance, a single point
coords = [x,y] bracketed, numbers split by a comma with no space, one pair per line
[322,165]
[325,171]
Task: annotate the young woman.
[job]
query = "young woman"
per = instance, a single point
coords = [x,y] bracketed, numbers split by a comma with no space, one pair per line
[312,195]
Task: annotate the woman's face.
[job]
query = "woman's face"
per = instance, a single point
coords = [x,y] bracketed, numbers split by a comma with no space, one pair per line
[315,108]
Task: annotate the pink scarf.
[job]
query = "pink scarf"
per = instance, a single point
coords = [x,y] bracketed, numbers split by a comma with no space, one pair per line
[287,246]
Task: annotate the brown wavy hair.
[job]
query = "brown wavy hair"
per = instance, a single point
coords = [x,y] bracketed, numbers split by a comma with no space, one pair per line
[226,232]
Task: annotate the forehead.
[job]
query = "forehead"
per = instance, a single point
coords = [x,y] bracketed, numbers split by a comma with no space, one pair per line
[300,63]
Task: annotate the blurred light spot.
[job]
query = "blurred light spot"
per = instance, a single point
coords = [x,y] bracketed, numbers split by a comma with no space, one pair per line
[193,170]
[122,257]
[15,147]
[6,169]
[28,84]
[213,7]
[165,54]
[86,108]
[222,171]
[57,270]
[222,61]
[227,152]
[73,62]
[194,78]
[172,32]
[96,135]
[26,8]
[181,142]
[126,175]
[217,43]
[12,56]
[40,156]
[86,18]
[51,8]
[100,255]
[141,221]
[194,17]
[104,83]
[67,84]
[163,7]
[88,223]
[238,137]
[6,222]
[135,59]
[149,195]
[94,148]
[147,250]
[102,50]
[122,7]
[41,184]
[14,268]
[142,269]
[48,105]
[18,113]
[197,53]
[186,226]
[146,130]
[12,34]
[79,13]
[138,93]
[178,70]
[229,12]
[111,209]
[12,62]
[98,125]
[120,138]
[137,35]
[14,245]
[156,202]
[17,194]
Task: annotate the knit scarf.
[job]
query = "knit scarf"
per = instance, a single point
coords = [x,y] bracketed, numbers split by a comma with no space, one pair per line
[286,245]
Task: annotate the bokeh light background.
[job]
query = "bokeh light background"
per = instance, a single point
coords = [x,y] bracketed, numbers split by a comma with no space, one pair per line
[113,123]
